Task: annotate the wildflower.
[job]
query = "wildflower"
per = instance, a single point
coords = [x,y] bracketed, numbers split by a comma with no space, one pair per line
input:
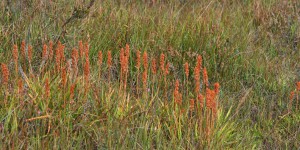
[186,69]
[197,79]
[217,87]
[177,95]
[138,59]
[167,68]
[81,49]
[205,77]
[72,89]
[87,70]
[50,50]
[109,59]
[199,62]
[64,77]
[15,57]
[100,58]
[201,100]
[145,58]
[145,79]
[30,53]
[86,49]
[153,66]
[298,86]
[5,73]
[162,62]
[20,86]
[23,48]
[192,104]
[44,54]
[74,57]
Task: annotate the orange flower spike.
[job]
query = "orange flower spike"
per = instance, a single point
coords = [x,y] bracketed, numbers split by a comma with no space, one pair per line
[81,48]
[109,59]
[167,68]
[217,87]
[162,62]
[58,56]
[201,100]
[20,86]
[145,79]
[127,49]
[197,79]
[292,94]
[199,62]
[176,88]
[23,45]
[145,58]
[298,86]
[192,104]
[44,54]
[122,60]
[74,57]
[153,66]
[86,49]
[62,53]
[138,59]
[15,53]
[50,50]
[5,73]
[30,53]
[72,90]
[87,69]
[100,59]
[205,77]
[186,69]
[47,88]
[64,77]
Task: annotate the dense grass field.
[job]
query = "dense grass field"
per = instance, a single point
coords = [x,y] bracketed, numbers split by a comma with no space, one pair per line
[150,74]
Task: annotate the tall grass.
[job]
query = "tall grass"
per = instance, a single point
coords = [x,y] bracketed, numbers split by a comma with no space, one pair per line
[249,47]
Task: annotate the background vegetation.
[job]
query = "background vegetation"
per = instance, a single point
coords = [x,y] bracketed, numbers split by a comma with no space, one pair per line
[250,47]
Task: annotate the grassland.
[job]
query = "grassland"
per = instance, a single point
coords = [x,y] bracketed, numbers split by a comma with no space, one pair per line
[251,48]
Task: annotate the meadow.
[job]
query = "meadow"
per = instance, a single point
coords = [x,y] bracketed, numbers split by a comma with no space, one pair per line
[150,74]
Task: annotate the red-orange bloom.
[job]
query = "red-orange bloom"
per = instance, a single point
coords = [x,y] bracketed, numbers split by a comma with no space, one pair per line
[192,104]
[109,59]
[205,77]
[5,73]
[145,58]
[162,62]
[186,69]
[138,59]
[50,50]
[298,86]
[23,48]
[153,66]
[30,53]
[217,87]
[100,58]
[44,54]
[81,48]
